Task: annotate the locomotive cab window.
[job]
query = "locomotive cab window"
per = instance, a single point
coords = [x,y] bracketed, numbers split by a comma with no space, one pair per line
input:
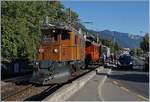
[65,36]
[49,37]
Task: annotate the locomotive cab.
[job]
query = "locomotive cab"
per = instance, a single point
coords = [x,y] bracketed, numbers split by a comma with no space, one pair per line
[52,39]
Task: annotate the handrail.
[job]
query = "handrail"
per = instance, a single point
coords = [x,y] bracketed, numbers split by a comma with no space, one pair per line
[60,26]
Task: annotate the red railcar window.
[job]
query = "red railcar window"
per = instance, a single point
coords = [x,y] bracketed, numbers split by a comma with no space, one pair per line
[88,44]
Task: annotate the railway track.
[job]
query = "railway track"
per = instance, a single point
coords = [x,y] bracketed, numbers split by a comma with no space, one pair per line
[37,93]
[7,97]
[14,81]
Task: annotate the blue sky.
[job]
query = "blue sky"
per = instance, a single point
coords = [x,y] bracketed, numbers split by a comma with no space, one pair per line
[123,16]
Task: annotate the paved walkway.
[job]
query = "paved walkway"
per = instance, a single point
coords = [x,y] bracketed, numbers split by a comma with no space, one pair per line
[90,92]
[100,89]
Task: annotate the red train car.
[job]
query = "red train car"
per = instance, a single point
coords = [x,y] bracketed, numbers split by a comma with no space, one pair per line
[92,51]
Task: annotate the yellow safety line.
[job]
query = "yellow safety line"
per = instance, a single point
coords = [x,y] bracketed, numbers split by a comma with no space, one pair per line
[142,97]
[125,89]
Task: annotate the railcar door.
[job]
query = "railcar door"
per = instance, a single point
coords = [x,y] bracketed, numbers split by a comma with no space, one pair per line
[66,46]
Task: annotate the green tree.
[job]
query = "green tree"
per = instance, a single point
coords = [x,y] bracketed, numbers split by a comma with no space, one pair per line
[133,52]
[112,45]
[138,51]
[145,43]
[116,46]
[21,22]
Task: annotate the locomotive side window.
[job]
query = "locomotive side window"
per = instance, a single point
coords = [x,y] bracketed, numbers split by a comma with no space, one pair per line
[65,36]
[46,38]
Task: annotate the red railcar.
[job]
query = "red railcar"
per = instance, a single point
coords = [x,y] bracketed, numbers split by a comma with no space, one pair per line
[92,51]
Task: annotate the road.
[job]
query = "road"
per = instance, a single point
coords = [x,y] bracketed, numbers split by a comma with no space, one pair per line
[135,82]
[120,85]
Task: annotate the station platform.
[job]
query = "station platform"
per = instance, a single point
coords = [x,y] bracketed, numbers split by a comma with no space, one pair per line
[100,88]
[91,91]
[95,86]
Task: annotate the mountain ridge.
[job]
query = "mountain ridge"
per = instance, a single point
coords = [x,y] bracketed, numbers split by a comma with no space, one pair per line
[125,40]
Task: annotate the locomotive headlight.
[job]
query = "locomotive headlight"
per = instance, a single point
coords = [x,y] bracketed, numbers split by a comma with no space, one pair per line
[56,50]
[131,63]
[41,50]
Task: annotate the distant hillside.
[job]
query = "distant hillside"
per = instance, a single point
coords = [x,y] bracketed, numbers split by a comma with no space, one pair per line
[123,39]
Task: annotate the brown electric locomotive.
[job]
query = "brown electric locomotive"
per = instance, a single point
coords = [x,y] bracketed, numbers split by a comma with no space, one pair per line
[61,52]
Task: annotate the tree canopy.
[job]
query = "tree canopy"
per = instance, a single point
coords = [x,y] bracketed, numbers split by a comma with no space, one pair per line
[20,25]
[21,22]
[112,45]
[145,43]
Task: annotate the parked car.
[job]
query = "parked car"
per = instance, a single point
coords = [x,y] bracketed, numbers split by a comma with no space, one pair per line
[125,61]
